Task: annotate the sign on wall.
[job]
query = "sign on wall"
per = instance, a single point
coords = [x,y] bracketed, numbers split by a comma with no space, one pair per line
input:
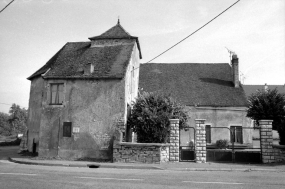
[75,129]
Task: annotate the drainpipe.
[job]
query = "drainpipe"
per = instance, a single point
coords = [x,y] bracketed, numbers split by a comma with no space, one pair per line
[58,136]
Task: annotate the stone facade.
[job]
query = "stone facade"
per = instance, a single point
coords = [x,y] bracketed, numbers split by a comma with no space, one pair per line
[200,145]
[126,152]
[92,106]
[266,141]
[270,153]
[279,153]
[174,140]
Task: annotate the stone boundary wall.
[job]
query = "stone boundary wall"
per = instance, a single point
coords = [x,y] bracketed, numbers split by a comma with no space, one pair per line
[270,153]
[126,152]
[279,153]
[174,140]
[266,141]
[200,145]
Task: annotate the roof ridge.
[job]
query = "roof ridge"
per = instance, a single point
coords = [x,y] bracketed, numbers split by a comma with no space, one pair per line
[116,31]
[123,28]
[183,63]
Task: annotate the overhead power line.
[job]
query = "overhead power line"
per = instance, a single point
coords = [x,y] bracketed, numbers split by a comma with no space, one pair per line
[7,6]
[12,104]
[193,32]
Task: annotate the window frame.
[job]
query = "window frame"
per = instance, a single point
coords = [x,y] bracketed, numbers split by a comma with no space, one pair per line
[234,138]
[208,134]
[67,132]
[51,93]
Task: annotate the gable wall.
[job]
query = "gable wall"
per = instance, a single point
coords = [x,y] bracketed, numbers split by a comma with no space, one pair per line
[222,117]
[131,83]
[92,106]
[34,112]
[132,76]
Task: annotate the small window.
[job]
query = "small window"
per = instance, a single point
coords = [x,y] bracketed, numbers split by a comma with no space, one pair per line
[67,129]
[208,133]
[56,95]
[236,134]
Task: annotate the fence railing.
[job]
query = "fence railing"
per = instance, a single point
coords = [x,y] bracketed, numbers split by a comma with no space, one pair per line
[232,144]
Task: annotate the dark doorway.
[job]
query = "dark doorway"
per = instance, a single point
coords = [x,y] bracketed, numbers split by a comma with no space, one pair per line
[187,144]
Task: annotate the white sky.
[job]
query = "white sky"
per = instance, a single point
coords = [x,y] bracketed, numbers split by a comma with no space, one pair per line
[32,31]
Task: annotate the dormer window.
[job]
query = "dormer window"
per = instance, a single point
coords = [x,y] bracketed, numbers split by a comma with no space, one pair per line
[88,69]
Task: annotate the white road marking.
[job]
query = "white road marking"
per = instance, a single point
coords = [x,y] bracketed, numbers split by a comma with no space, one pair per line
[213,182]
[98,178]
[27,174]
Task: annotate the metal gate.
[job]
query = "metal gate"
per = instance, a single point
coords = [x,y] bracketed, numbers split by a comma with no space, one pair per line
[241,147]
[187,144]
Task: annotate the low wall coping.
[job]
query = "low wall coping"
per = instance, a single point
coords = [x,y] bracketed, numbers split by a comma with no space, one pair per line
[200,119]
[143,144]
[265,120]
[278,146]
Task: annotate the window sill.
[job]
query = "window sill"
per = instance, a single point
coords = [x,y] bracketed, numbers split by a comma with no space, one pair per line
[55,105]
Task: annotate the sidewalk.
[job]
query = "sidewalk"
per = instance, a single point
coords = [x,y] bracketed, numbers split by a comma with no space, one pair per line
[179,166]
[10,153]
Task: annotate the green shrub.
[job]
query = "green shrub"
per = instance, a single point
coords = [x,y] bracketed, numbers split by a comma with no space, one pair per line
[222,143]
[269,104]
[281,132]
[150,117]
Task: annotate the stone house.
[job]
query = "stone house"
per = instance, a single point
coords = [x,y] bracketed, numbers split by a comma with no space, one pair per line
[79,94]
[209,91]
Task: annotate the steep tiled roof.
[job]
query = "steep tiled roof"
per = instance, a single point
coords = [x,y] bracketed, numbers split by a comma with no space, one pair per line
[193,84]
[115,32]
[250,89]
[109,61]
[69,62]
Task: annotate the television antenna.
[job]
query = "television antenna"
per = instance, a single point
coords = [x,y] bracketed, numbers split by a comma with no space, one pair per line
[231,53]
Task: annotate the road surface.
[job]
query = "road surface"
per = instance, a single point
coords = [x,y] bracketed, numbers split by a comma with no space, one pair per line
[14,175]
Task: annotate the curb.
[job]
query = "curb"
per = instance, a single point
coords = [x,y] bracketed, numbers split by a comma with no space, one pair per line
[114,166]
[226,169]
[86,165]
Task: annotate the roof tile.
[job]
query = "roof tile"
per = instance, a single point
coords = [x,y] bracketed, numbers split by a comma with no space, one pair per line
[193,84]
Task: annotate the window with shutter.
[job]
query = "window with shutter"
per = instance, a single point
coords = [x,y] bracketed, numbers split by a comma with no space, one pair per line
[67,129]
[208,133]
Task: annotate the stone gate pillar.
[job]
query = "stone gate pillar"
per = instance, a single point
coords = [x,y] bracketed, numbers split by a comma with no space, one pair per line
[200,144]
[174,140]
[266,141]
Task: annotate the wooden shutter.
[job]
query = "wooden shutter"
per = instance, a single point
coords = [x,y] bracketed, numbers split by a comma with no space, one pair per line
[67,129]
[208,133]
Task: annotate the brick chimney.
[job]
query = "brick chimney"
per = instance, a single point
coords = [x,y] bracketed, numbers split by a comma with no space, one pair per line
[265,87]
[235,71]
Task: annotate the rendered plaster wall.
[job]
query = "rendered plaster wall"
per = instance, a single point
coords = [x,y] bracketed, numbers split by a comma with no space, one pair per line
[93,106]
[132,77]
[131,90]
[221,117]
[34,112]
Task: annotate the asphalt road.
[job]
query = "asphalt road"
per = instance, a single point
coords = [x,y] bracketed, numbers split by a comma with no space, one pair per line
[32,176]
